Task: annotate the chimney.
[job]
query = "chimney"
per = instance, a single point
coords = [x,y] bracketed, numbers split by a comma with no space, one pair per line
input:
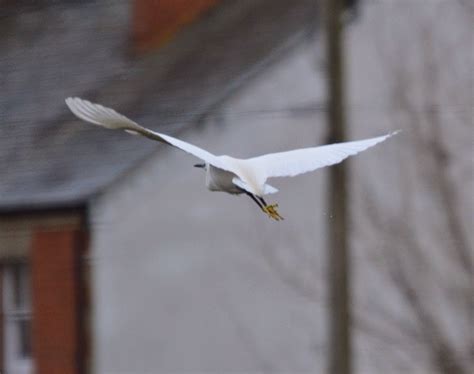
[157,21]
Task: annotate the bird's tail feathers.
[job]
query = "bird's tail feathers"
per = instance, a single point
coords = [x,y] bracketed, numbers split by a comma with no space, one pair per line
[266,190]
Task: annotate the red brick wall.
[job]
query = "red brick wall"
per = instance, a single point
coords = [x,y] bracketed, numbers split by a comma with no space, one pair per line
[156,21]
[58,334]
[2,369]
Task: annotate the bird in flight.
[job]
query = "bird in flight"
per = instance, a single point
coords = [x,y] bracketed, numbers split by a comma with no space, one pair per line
[229,174]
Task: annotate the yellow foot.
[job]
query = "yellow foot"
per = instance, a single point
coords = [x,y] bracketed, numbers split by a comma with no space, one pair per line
[272,212]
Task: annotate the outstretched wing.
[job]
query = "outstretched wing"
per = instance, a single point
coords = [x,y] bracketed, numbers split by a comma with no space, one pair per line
[109,118]
[299,161]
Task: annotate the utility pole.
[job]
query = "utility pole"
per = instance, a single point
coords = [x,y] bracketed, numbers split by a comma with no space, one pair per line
[339,266]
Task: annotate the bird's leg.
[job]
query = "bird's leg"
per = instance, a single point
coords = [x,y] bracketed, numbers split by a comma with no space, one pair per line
[264,206]
[270,209]
[256,201]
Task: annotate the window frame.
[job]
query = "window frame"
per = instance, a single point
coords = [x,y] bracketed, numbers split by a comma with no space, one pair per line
[13,362]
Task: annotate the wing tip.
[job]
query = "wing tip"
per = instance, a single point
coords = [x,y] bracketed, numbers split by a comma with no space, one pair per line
[72,101]
[68,101]
[387,136]
[82,109]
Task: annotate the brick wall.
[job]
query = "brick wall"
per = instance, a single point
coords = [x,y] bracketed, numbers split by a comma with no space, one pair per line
[156,21]
[2,369]
[58,301]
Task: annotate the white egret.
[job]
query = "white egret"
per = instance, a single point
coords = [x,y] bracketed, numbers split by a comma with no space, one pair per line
[230,174]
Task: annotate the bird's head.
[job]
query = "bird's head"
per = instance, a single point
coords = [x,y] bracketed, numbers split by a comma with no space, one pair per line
[202,166]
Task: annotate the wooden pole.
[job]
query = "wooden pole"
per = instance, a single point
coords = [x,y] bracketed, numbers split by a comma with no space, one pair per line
[339,266]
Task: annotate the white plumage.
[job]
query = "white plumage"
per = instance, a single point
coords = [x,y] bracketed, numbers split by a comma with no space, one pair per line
[229,174]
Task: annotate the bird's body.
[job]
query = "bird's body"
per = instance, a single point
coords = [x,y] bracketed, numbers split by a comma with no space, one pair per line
[229,174]
[221,180]
[225,181]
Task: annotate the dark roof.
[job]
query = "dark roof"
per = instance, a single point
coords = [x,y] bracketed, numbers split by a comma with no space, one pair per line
[48,159]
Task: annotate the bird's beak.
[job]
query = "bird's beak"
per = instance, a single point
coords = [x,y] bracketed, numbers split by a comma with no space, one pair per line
[202,166]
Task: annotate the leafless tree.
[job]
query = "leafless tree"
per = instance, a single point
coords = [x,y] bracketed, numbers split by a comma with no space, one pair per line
[426,255]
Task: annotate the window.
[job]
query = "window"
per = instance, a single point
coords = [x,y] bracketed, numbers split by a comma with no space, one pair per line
[17,319]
